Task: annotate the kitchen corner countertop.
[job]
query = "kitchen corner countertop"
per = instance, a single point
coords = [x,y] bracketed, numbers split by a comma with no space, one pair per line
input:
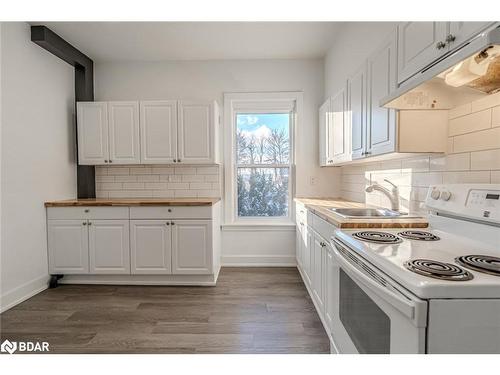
[319,206]
[134,202]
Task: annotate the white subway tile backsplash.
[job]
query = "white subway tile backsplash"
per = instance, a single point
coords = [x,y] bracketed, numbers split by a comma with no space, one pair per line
[484,160]
[145,181]
[453,162]
[495,117]
[495,177]
[488,101]
[481,140]
[470,123]
[480,177]
[461,110]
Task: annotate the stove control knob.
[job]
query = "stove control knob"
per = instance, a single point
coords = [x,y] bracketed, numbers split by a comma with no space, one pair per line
[445,195]
[435,194]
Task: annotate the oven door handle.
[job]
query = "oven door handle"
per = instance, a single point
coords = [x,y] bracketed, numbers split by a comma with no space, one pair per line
[399,301]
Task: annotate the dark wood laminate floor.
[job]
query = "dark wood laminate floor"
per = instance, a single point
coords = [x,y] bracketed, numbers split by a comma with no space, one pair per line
[251,310]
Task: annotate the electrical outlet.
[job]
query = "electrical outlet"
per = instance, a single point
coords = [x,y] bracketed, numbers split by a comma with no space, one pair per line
[312,180]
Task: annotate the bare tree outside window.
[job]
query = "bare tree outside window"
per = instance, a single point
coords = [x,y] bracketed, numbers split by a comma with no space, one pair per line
[263,164]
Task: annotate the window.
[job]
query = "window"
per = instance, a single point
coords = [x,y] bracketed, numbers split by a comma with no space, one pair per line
[259,156]
[262,164]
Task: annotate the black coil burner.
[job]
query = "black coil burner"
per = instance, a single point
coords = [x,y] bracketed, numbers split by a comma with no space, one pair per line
[418,235]
[377,237]
[481,263]
[438,270]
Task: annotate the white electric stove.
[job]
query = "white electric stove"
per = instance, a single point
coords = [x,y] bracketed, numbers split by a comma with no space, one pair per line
[423,290]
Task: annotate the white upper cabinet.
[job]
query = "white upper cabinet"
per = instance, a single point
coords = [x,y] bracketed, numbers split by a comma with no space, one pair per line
[158,131]
[325,155]
[92,127]
[196,132]
[459,32]
[339,129]
[419,44]
[109,249]
[356,109]
[148,132]
[192,247]
[124,133]
[381,122]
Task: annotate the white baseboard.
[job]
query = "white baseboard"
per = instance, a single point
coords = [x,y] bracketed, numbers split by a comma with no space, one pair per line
[23,292]
[258,261]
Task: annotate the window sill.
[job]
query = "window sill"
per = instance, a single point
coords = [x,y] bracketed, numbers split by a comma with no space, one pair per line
[259,227]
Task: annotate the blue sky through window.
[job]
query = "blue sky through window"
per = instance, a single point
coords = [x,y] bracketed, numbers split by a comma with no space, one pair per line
[260,124]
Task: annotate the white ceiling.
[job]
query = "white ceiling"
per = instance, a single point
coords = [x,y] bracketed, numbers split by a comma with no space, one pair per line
[156,41]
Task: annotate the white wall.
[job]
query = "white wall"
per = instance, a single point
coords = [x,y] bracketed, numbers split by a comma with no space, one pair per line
[37,157]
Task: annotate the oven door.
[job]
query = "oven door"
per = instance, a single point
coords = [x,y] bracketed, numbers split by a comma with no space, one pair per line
[372,313]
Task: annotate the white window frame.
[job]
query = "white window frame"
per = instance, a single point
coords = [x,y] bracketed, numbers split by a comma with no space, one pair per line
[267,102]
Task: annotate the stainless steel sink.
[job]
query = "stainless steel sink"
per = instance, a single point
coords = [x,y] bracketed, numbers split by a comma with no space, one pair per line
[379,213]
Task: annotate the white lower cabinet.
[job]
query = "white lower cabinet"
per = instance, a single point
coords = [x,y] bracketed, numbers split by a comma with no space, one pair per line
[150,241]
[317,274]
[192,247]
[68,246]
[151,247]
[316,264]
[109,246]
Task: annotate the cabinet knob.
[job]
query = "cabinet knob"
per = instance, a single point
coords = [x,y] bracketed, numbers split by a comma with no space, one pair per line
[110,161]
[90,223]
[178,160]
[175,160]
[368,153]
[172,223]
[86,210]
[169,210]
[440,45]
[105,161]
[84,223]
[450,38]
[167,223]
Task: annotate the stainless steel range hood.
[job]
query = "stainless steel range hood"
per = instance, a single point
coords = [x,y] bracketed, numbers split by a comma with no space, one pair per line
[467,73]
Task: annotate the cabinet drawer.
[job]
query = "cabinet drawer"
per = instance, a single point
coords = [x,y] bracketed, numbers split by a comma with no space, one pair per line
[323,228]
[171,212]
[70,213]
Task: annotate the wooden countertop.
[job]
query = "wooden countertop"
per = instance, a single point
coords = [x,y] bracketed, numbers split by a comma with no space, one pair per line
[134,202]
[319,206]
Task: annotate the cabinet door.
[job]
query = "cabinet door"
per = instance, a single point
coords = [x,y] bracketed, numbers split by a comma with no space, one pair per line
[307,254]
[356,93]
[196,132]
[339,132]
[68,247]
[317,274]
[419,44]
[92,127]
[158,125]
[323,134]
[462,31]
[150,247]
[329,287]
[192,247]
[109,247]
[381,122]
[298,248]
[124,133]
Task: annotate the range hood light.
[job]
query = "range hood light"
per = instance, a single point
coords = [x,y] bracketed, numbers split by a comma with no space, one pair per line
[469,69]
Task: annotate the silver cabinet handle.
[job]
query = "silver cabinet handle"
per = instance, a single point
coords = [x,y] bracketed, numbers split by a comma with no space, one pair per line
[440,45]
[450,38]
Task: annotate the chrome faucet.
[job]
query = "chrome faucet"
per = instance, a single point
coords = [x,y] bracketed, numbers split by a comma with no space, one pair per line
[392,194]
